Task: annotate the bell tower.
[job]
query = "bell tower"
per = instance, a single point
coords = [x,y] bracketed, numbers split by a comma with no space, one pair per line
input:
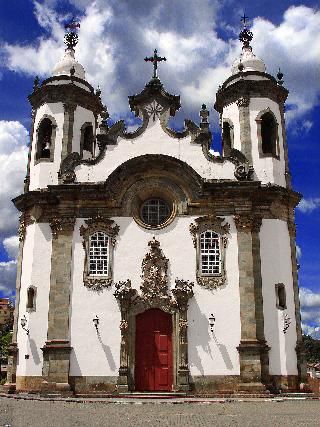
[65,111]
[251,107]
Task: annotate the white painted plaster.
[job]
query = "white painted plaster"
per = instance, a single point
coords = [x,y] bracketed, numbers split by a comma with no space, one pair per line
[154,141]
[46,173]
[267,169]
[36,266]
[276,268]
[231,112]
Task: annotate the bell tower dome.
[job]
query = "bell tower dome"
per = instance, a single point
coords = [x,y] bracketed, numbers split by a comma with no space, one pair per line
[65,111]
[251,107]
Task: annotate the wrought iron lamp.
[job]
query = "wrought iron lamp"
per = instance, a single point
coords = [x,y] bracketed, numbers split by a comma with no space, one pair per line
[96,322]
[23,322]
[212,320]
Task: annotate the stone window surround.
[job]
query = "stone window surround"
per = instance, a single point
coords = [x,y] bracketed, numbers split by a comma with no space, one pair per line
[226,150]
[32,308]
[82,130]
[278,288]
[111,229]
[50,159]
[258,120]
[214,224]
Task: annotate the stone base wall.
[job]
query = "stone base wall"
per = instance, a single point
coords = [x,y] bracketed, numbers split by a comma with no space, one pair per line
[93,384]
[206,384]
[29,384]
[285,383]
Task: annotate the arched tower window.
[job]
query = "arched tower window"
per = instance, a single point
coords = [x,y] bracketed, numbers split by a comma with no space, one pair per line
[31,299]
[45,140]
[268,134]
[227,137]
[87,139]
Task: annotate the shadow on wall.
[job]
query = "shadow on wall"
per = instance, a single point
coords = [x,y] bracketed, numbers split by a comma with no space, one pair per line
[224,352]
[108,353]
[34,351]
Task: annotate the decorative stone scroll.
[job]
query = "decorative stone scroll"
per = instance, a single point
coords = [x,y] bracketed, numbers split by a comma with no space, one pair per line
[248,223]
[154,294]
[108,226]
[212,223]
[243,102]
[59,225]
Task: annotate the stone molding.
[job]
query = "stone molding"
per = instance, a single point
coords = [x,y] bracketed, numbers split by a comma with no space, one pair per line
[243,101]
[108,226]
[247,223]
[154,275]
[61,225]
[214,223]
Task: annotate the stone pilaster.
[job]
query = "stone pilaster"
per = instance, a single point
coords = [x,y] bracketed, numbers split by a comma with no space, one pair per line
[32,144]
[253,351]
[285,147]
[67,137]
[10,385]
[56,351]
[245,128]
[301,359]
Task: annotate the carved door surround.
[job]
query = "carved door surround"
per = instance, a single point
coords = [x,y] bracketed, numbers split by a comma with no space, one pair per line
[154,294]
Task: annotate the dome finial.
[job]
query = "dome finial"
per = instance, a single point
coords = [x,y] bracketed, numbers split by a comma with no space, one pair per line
[245,35]
[71,37]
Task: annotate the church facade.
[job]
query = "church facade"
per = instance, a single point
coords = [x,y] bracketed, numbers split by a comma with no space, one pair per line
[147,262]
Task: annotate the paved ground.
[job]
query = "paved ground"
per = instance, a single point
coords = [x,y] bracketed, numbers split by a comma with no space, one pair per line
[16,413]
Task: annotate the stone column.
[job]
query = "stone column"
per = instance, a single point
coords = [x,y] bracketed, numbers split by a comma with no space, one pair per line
[56,351]
[253,351]
[67,137]
[245,128]
[10,385]
[301,359]
[124,294]
[182,292]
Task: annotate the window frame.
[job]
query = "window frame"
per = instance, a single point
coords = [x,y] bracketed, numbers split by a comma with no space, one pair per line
[111,229]
[278,287]
[82,133]
[37,158]
[34,299]
[221,229]
[276,145]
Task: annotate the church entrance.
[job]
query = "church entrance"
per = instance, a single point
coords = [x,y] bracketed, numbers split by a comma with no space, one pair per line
[153,351]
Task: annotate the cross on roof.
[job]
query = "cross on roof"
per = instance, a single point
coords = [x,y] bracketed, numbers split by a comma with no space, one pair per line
[155,59]
[244,19]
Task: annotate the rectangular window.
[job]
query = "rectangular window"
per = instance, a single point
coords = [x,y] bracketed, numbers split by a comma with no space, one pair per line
[98,254]
[210,253]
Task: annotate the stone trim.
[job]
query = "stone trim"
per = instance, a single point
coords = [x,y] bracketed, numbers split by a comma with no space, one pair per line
[277,286]
[276,148]
[210,222]
[82,130]
[226,149]
[37,158]
[301,358]
[154,294]
[108,226]
[27,178]
[69,109]
[253,350]
[285,147]
[245,128]
[34,305]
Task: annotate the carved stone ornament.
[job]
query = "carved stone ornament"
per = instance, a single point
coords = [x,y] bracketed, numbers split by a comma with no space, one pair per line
[154,110]
[243,172]
[243,102]
[108,226]
[248,223]
[59,225]
[215,224]
[22,228]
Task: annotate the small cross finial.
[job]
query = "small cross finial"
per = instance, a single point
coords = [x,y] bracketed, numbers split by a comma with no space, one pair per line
[155,59]
[244,19]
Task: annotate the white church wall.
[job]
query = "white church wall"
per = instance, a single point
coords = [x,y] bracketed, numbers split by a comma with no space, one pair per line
[231,112]
[154,141]
[267,169]
[209,354]
[43,174]
[276,268]
[35,272]
[81,116]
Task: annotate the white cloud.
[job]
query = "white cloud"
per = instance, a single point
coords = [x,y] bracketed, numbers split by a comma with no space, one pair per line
[313,331]
[13,159]
[11,245]
[7,278]
[299,252]
[309,205]
[309,298]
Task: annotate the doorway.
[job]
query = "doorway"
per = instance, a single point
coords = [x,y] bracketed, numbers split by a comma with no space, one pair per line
[153,351]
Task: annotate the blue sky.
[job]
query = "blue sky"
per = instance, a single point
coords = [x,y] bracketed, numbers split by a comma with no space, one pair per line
[199,39]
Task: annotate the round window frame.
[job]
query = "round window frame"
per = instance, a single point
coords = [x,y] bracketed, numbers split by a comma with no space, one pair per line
[173,211]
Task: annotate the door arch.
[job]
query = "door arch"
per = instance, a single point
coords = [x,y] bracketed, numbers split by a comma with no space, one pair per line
[153,351]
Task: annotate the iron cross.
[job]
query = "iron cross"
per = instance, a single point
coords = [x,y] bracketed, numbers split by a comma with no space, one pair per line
[244,19]
[155,59]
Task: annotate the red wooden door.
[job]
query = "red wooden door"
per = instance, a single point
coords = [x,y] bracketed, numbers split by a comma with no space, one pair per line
[153,361]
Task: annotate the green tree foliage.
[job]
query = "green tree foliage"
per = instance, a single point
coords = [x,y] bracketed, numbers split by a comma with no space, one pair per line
[312,349]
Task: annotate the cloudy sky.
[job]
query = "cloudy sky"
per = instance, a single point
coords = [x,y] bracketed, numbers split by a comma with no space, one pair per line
[200,41]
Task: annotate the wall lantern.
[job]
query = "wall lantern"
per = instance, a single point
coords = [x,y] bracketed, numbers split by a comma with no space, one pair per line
[96,322]
[23,322]
[212,320]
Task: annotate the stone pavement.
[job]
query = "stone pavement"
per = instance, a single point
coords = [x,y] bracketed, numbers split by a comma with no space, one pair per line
[16,412]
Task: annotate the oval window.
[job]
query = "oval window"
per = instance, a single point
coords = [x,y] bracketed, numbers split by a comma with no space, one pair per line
[155,212]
